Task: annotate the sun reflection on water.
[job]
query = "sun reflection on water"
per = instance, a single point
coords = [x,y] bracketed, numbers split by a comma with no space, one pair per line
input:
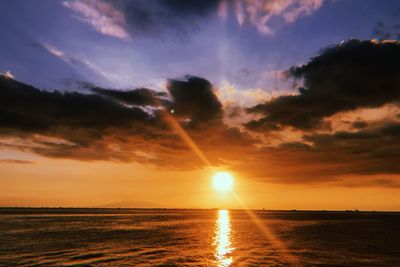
[222,239]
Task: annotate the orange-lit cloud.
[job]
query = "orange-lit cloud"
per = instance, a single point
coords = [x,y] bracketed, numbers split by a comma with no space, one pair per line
[7,75]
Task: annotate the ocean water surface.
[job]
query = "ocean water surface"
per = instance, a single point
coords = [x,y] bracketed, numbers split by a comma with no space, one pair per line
[168,237]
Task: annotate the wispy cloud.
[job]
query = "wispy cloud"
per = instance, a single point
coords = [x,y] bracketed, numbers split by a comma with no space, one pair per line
[260,13]
[18,161]
[78,64]
[102,16]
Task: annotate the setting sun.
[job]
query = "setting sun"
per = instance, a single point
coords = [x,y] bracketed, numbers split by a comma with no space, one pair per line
[222,181]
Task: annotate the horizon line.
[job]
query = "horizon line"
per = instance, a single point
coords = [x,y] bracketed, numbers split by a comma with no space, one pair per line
[215,208]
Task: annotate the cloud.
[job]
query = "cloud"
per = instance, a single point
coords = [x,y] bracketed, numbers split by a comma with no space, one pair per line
[139,97]
[60,109]
[102,16]
[195,99]
[235,101]
[130,19]
[79,119]
[7,75]
[114,125]
[375,181]
[333,158]
[354,74]
[83,67]
[166,18]
[190,7]
[261,13]
[388,29]
[230,95]
[344,120]
[18,161]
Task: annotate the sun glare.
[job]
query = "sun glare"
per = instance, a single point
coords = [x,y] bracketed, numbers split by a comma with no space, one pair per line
[222,181]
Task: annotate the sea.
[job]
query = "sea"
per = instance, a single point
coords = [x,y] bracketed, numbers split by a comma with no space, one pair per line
[190,237]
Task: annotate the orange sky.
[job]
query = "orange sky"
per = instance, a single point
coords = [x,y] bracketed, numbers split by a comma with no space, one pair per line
[57,182]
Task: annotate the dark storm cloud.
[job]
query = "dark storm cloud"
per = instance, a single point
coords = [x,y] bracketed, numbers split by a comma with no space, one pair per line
[190,98]
[67,122]
[194,98]
[354,74]
[26,108]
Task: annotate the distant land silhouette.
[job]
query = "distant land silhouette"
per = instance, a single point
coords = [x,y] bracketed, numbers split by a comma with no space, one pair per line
[131,204]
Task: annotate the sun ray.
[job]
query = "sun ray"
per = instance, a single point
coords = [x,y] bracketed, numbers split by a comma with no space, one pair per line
[267,232]
[174,125]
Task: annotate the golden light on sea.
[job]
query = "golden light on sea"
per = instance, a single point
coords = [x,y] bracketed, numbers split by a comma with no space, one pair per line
[222,239]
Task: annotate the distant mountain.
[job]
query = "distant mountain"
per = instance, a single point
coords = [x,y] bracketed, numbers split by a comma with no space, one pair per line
[131,204]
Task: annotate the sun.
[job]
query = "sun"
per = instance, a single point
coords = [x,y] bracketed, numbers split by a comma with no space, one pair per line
[222,181]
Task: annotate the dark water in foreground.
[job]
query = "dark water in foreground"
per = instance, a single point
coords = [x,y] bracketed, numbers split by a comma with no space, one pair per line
[140,237]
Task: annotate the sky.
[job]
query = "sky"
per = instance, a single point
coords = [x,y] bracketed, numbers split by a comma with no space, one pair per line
[139,103]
